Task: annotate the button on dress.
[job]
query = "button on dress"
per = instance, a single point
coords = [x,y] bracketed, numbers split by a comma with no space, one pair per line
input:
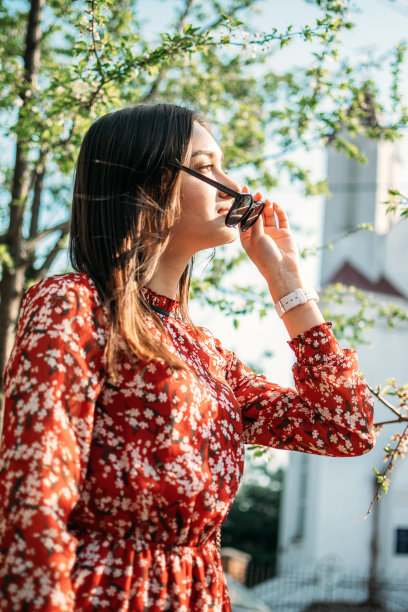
[112,490]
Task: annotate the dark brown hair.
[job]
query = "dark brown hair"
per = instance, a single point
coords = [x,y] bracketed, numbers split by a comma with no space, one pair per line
[125,204]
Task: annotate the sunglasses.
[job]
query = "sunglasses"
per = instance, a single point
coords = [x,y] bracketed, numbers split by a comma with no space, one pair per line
[244,210]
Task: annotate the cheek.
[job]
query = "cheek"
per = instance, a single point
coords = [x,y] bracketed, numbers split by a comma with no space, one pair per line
[195,204]
[191,220]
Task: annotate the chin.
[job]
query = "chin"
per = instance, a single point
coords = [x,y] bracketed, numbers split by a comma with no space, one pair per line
[224,236]
[228,235]
[231,239]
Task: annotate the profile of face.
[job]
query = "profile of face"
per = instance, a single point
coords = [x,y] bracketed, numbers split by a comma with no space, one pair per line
[203,207]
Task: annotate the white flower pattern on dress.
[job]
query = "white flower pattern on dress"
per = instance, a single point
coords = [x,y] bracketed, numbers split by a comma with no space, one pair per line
[111,491]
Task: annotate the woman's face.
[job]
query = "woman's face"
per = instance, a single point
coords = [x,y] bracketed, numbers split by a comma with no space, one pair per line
[203,207]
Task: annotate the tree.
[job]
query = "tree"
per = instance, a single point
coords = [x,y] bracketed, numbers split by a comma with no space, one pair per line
[252,523]
[66,63]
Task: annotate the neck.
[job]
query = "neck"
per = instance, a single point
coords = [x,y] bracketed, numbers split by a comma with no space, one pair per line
[166,277]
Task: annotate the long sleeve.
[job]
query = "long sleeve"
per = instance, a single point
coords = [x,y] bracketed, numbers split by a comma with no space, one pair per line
[329,413]
[52,380]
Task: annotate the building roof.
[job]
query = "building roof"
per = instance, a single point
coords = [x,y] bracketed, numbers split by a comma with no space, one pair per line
[348,275]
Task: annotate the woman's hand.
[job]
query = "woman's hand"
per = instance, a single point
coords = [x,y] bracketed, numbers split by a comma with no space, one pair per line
[270,245]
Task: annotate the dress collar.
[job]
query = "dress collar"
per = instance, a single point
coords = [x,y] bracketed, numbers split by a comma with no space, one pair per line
[161,303]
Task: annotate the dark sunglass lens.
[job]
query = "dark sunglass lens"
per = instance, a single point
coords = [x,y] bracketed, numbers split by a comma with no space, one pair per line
[253,216]
[238,209]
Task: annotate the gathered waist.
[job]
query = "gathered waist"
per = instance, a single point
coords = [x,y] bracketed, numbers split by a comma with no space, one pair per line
[135,573]
[138,541]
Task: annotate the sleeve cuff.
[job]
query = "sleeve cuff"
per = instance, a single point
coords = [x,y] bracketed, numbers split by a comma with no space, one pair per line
[316,346]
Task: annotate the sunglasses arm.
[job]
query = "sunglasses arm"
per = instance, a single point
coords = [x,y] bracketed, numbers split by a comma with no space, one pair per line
[220,186]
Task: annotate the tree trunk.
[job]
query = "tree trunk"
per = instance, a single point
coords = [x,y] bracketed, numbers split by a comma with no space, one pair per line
[373,596]
[12,282]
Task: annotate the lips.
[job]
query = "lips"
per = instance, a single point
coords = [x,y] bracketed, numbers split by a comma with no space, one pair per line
[223,211]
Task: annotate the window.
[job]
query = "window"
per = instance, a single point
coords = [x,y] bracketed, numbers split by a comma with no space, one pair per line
[401,541]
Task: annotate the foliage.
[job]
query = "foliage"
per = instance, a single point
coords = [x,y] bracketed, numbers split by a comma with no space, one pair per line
[398,444]
[252,523]
[366,312]
[307,252]
[398,203]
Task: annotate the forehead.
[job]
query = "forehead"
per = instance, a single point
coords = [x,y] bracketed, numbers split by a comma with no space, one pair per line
[203,142]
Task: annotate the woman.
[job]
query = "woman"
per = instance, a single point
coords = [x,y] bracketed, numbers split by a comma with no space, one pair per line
[123,440]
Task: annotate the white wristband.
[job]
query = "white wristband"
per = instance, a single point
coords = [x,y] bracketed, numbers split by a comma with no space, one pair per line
[295,298]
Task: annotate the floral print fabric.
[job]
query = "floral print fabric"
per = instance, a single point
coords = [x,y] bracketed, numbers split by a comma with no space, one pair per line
[111,491]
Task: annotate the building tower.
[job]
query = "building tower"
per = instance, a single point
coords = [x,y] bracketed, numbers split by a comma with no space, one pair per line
[326,498]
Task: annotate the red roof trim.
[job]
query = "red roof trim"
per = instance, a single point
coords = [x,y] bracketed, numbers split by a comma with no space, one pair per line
[347,274]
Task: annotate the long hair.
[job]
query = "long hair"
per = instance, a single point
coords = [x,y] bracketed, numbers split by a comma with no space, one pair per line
[126,202]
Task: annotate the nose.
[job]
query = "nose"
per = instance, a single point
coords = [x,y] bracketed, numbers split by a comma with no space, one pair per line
[229,182]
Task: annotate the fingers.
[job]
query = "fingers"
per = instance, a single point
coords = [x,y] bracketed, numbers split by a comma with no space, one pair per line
[281,216]
[257,196]
[269,215]
[274,215]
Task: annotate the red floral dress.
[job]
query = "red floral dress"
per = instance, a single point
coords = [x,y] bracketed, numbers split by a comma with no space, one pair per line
[111,491]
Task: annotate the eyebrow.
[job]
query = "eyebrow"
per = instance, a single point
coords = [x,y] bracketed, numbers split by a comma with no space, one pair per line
[206,152]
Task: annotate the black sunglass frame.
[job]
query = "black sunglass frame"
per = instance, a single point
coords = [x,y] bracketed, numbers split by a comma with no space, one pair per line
[231,192]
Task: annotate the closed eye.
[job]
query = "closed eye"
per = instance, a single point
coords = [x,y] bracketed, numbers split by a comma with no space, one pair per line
[211,166]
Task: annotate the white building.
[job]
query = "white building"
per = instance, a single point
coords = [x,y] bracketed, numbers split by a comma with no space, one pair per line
[325,499]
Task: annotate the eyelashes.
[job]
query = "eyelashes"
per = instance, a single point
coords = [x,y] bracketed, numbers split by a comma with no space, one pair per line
[210,167]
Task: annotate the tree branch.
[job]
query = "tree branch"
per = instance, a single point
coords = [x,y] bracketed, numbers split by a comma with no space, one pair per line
[33,40]
[382,476]
[179,26]
[220,19]
[31,66]
[388,405]
[163,71]
[36,203]
[400,420]
[94,49]
[187,7]
[39,273]
[12,282]
[65,141]
[32,242]
[94,94]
